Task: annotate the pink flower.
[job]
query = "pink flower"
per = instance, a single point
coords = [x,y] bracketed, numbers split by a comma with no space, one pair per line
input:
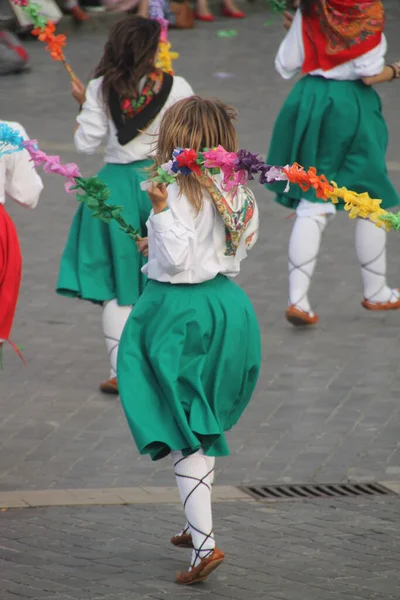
[226,161]
[219,157]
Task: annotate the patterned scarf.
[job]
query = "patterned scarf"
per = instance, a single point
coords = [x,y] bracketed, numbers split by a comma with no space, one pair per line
[338,31]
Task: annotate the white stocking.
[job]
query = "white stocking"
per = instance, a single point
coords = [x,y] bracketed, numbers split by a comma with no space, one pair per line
[210,460]
[371,252]
[193,480]
[304,246]
[114,319]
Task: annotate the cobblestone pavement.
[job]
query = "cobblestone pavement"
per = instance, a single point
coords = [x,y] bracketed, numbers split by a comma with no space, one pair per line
[326,408]
[327,403]
[302,551]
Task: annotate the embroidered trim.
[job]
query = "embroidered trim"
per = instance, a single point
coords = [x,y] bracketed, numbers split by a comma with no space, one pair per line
[134,105]
[349,26]
[236,222]
[249,239]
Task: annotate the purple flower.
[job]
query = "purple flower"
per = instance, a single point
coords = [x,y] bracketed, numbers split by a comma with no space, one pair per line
[264,174]
[251,163]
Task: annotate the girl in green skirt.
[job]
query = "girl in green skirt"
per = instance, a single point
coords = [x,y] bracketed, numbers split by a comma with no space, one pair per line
[332,120]
[122,106]
[189,355]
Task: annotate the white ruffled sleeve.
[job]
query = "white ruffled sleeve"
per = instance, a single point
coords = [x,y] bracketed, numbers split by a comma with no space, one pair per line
[290,57]
[173,237]
[371,63]
[22,182]
[92,120]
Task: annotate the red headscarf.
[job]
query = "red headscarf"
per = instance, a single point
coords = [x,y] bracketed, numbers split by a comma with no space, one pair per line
[340,30]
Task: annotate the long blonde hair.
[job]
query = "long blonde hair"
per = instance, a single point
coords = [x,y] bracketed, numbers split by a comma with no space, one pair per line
[195,123]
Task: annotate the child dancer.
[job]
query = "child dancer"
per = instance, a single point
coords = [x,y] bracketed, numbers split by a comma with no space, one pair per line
[332,120]
[123,105]
[19,181]
[190,352]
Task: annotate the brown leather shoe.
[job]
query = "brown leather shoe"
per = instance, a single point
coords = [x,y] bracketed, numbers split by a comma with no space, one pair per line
[182,540]
[300,318]
[110,386]
[380,305]
[203,569]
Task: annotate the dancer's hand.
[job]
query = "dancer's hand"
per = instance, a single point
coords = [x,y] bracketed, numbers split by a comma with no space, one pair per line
[78,91]
[143,246]
[158,197]
[287,20]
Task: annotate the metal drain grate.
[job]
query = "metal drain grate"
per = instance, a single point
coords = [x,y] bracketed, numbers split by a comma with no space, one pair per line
[316,491]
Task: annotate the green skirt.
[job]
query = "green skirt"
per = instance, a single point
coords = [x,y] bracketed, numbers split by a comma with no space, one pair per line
[100,262]
[188,362]
[337,127]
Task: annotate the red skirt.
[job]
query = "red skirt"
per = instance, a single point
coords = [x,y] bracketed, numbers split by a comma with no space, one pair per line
[10,272]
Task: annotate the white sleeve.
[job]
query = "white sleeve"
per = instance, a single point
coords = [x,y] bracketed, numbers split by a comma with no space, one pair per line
[175,242]
[290,57]
[182,89]
[23,184]
[92,120]
[371,63]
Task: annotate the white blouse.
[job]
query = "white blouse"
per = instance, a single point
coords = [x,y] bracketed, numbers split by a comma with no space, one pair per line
[290,58]
[96,125]
[18,177]
[186,247]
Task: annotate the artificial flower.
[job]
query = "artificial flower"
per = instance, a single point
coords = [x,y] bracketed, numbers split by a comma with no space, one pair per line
[298,175]
[248,162]
[319,183]
[187,160]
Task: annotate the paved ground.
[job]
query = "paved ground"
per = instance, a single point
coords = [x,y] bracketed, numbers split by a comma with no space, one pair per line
[313,551]
[326,408]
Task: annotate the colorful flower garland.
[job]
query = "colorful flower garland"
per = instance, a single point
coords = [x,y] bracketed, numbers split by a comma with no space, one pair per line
[45,32]
[278,6]
[45,29]
[239,167]
[165,56]
[94,193]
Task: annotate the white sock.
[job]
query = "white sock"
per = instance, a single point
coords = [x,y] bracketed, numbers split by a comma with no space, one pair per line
[192,477]
[114,319]
[303,252]
[371,252]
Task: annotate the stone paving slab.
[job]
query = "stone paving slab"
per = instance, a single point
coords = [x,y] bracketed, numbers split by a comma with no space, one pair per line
[118,496]
[326,550]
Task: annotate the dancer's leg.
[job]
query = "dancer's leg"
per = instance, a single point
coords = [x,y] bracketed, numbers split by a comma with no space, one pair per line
[193,480]
[371,252]
[114,319]
[304,245]
[183,539]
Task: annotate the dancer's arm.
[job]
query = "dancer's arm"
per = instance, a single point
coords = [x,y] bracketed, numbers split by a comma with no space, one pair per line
[92,120]
[174,241]
[23,184]
[290,57]
[388,73]
[371,68]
